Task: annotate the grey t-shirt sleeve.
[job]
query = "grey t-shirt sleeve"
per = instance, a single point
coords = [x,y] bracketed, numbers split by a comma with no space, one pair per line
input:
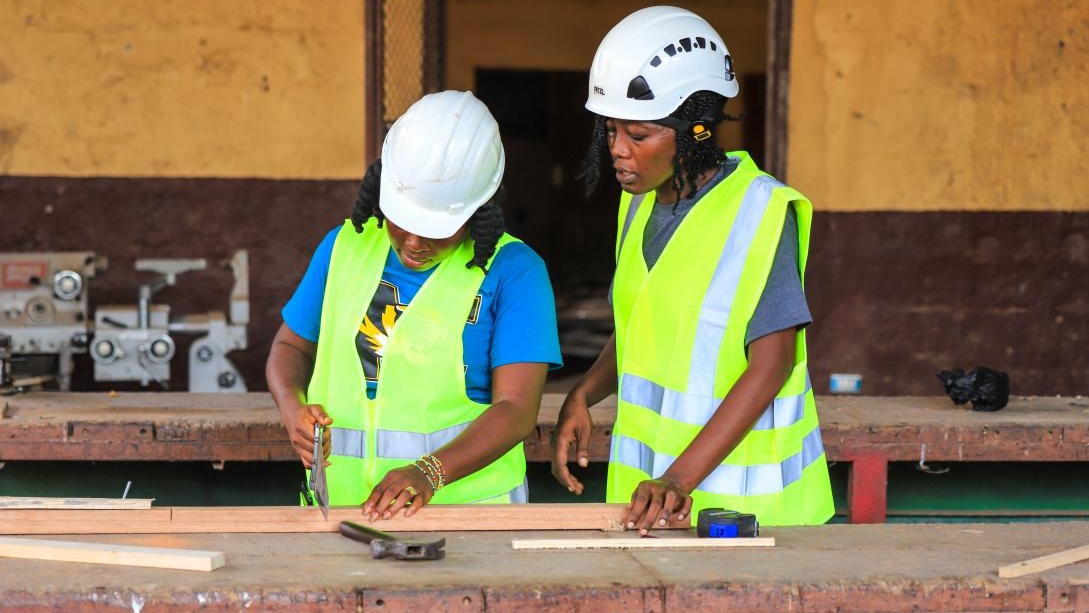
[782,305]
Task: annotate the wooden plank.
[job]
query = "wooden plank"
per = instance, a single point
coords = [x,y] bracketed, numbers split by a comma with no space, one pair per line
[433,518]
[1042,563]
[23,502]
[104,553]
[643,543]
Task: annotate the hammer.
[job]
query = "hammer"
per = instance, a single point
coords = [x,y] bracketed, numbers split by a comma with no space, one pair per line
[383,544]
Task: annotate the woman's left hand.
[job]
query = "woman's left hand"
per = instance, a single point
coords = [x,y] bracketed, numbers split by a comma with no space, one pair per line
[654,501]
[402,488]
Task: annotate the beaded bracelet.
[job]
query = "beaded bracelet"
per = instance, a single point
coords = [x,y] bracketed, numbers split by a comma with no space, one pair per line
[434,478]
[433,459]
[433,469]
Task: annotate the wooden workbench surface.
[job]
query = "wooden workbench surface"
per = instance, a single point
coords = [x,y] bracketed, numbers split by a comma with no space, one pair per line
[246,427]
[935,567]
[257,407]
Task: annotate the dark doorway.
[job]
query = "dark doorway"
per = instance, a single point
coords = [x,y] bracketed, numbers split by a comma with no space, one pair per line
[545,132]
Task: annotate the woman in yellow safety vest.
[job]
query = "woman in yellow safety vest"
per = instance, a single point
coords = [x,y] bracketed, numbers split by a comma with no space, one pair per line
[708,357]
[421,334]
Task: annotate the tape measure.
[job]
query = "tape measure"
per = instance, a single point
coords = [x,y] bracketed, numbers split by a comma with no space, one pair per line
[723,523]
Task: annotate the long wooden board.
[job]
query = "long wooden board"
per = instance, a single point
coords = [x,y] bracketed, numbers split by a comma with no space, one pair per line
[104,553]
[1042,563]
[643,543]
[25,502]
[433,518]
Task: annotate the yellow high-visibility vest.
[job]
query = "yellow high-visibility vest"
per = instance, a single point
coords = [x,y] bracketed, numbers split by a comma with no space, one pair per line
[420,403]
[680,341]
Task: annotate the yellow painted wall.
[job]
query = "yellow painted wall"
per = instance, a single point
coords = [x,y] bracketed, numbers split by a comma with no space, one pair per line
[940,104]
[564,34]
[211,88]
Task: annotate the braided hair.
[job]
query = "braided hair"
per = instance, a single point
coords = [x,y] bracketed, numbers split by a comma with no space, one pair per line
[692,157]
[485,226]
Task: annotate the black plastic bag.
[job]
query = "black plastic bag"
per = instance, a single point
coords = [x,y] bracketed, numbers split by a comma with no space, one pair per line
[985,388]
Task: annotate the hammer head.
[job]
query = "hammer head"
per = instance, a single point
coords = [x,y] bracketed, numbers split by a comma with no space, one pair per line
[408,549]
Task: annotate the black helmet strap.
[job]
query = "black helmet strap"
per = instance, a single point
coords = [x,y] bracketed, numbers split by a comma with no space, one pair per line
[700,129]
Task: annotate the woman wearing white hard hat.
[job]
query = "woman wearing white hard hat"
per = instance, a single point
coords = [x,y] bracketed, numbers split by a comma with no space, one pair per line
[708,359]
[421,334]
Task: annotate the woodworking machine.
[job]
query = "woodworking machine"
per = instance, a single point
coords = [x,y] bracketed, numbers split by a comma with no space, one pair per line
[44,321]
[5,361]
[135,343]
[43,311]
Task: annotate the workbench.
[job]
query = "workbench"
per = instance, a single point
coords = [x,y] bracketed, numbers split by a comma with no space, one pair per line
[843,568]
[867,432]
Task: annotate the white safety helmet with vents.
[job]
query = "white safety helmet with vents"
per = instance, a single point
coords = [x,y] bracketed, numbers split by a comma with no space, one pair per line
[653,60]
[441,161]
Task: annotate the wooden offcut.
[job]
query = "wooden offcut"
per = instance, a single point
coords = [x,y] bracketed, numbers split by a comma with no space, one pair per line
[1042,563]
[432,518]
[104,553]
[643,543]
[30,502]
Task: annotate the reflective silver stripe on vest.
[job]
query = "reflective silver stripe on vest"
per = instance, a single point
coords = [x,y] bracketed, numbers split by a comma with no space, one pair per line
[715,310]
[633,207]
[697,410]
[411,445]
[392,443]
[726,479]
[347,442]
[354,442]
[519,495]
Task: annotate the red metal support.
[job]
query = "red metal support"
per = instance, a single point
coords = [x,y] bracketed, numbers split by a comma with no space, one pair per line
[867,488]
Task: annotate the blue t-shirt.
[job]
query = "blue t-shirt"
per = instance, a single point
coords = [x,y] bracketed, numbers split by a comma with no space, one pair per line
[513,319]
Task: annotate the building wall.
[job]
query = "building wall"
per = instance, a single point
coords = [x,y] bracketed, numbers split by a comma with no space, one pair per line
[943,145]
[200,88]
[939,141]
[926,105]
[181,130]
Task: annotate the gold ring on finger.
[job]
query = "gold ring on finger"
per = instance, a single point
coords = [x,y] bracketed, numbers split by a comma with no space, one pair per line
[411,491]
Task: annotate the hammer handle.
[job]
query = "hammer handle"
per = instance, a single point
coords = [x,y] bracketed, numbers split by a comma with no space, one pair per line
[363,534]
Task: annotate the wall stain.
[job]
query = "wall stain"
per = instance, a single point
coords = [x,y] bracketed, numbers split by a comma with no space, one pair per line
[8,137]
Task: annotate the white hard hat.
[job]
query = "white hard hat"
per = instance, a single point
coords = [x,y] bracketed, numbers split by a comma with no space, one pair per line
[653,60]
[441,161]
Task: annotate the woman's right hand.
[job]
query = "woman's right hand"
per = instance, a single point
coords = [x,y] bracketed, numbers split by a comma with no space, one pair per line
[574,425]
[301,432]
[288,369]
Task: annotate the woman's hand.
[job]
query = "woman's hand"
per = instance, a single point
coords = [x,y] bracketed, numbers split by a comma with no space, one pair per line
[290,364]
[300,429]
[402,488]
[654,501]
[574,425]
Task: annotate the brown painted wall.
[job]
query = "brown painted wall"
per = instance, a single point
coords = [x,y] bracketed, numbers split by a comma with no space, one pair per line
[967,292]
[898,297]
